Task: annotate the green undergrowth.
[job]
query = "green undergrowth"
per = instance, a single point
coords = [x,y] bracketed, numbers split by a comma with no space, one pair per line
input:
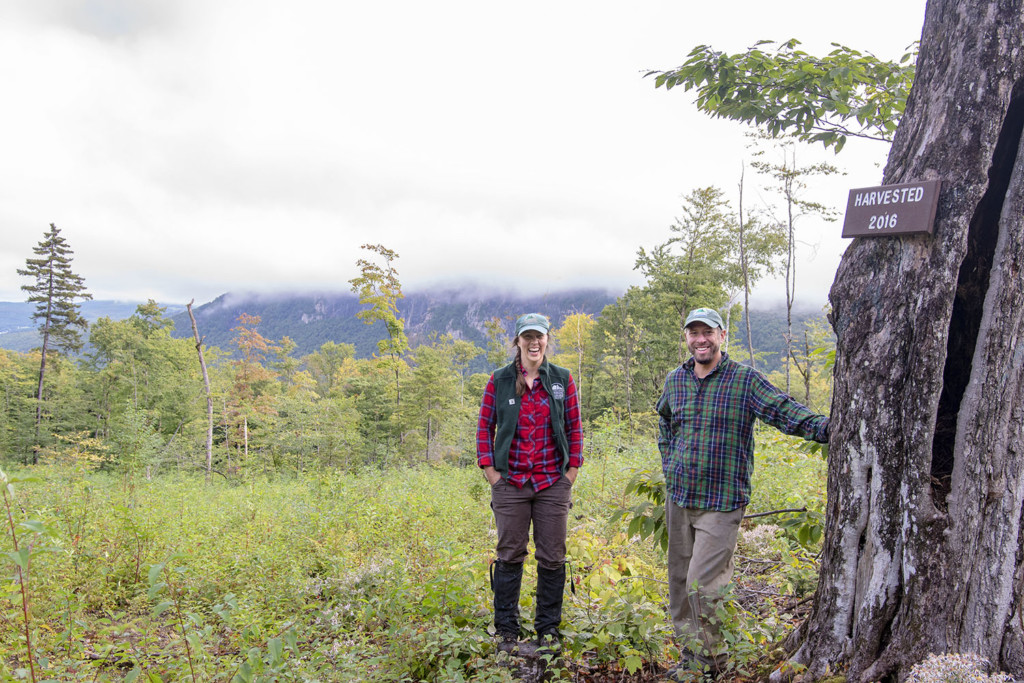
[342,576]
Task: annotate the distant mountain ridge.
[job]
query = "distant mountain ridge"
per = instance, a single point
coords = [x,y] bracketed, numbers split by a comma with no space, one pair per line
[310,320]
[18,331]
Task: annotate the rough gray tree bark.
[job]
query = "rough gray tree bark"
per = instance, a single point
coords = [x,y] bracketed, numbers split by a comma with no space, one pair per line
[924,550]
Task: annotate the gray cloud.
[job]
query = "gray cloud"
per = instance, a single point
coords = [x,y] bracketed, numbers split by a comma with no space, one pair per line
[191,148]
[104,19]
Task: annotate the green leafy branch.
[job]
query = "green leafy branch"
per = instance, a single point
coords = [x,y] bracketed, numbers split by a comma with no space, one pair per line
[806,527]
[647,516]
[256,666]
[787,91]
[22,554]
[158,587]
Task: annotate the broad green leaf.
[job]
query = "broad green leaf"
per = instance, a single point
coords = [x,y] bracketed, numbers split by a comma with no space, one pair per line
[275,648]
[20,557]
[244,674]
[34,526]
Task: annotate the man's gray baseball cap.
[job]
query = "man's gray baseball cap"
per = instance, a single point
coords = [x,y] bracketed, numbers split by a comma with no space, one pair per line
[708,316]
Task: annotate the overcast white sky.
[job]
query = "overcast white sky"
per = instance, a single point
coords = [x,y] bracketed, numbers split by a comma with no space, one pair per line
[191,148]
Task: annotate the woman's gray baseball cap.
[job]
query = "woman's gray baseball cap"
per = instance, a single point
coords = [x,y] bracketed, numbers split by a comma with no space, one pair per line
[532,321]
[708,316]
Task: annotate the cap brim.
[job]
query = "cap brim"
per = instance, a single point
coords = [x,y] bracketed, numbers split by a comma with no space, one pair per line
[707,321]
[537,328]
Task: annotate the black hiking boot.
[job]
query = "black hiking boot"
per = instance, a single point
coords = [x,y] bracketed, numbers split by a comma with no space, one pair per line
[550,588]
[506,578]
[508,642]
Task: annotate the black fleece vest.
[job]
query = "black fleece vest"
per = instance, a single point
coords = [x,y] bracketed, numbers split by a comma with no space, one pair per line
[555,380]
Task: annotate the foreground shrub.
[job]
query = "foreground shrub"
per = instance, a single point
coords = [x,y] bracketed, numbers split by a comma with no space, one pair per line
[955,668]
[331,575]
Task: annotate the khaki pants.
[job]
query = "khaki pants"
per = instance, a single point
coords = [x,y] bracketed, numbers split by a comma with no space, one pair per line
[701,544]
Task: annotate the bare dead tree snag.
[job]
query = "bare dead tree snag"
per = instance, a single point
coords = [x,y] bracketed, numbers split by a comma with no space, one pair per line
[209,395]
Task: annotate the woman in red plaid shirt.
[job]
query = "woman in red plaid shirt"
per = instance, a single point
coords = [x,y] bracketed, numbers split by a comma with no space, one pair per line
[529,443]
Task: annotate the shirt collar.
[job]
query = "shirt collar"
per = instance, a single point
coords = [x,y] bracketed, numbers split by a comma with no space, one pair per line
[543,369]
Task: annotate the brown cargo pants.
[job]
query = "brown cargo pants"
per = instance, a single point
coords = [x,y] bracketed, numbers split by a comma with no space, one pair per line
[548,510]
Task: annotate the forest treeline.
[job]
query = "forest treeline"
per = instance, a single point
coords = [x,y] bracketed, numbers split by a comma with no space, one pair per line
[311,319]
[130,393]
[137,397]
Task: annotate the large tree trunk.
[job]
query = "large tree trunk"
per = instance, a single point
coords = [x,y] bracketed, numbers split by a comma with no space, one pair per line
[923,551]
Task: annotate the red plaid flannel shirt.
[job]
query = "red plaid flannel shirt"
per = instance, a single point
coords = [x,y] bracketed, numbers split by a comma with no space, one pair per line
[533,455]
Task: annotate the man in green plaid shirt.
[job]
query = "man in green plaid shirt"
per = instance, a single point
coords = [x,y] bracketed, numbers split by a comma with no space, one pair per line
[706,439]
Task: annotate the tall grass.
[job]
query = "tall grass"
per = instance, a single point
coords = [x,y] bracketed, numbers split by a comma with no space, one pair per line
[332,576]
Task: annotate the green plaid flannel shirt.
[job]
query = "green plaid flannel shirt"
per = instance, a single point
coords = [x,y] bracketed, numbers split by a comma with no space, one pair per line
[706,432]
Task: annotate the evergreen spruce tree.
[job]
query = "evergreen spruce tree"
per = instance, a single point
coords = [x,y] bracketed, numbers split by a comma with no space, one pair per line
[54,293]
